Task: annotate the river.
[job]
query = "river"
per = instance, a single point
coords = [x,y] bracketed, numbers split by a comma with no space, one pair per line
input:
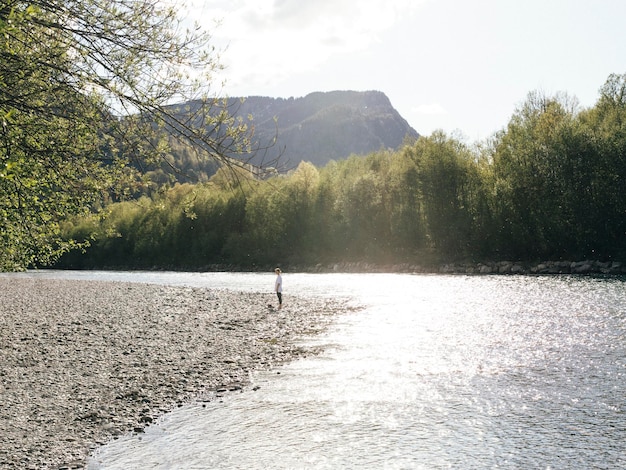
[435,372]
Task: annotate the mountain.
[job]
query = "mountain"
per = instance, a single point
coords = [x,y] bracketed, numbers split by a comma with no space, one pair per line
[317,128]
[324,126]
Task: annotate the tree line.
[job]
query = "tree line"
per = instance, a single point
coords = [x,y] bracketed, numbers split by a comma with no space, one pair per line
[550,185]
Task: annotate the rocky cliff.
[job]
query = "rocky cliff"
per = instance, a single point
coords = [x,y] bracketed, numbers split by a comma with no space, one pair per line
[324,126]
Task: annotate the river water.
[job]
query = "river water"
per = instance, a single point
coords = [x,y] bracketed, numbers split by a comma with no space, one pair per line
[435,372]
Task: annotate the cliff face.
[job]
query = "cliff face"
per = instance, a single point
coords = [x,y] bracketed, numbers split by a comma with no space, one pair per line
[317,128]
[326,126]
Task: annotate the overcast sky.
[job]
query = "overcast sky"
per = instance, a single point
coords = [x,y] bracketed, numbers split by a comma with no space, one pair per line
[456,65]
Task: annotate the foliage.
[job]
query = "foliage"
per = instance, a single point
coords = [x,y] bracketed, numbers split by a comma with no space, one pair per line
[85,88]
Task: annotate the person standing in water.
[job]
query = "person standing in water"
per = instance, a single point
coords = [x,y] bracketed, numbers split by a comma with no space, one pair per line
[278,287]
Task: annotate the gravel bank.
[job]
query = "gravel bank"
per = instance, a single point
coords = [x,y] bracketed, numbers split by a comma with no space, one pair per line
[82,361]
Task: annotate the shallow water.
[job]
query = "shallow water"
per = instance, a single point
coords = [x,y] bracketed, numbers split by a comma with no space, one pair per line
[436,372]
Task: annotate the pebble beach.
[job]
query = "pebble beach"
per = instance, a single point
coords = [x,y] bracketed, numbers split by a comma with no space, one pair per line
[82,362]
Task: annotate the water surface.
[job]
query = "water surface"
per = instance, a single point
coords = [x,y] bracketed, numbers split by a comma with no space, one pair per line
[435,372]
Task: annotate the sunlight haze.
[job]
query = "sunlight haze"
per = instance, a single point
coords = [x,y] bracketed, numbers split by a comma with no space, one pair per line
[457,65]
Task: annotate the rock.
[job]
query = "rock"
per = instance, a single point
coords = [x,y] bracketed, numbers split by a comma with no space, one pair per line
[504,267]
[582,267]
[517,269]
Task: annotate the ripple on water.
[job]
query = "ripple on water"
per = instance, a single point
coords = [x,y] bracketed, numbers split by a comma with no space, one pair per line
[437,372]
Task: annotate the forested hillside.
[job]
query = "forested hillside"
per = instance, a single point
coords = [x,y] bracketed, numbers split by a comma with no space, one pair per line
[317,128]
[549,186]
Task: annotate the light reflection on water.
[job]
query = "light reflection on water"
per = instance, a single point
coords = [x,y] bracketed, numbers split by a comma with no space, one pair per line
[436,372]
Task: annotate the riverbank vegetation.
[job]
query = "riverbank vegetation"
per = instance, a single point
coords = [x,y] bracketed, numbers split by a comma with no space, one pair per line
[549,186]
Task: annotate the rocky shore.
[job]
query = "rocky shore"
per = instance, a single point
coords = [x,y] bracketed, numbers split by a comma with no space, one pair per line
[590,267]
[82,362]
[544,267]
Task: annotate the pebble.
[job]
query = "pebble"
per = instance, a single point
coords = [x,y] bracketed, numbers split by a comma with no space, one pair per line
[82,362]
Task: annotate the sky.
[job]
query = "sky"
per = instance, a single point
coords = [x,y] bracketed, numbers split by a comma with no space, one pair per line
[462,66]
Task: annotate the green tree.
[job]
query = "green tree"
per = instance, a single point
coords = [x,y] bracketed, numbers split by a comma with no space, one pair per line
[363,206]
[326,221]
[407,220]
[604,128]
[299,195]
[532,165]
[85,87]
[447,180]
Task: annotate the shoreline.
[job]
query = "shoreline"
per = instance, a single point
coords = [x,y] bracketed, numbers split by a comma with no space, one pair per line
[590,267]
[83,362]
[549,267]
